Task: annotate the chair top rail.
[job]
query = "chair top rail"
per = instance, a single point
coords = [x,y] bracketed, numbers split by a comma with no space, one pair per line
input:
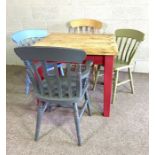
[85,23]
[130,33]
[19,36]
[56,54]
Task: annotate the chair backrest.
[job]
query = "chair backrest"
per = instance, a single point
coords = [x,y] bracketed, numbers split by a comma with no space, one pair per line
[128,41]
[53,80]
[28,37]
[84,26]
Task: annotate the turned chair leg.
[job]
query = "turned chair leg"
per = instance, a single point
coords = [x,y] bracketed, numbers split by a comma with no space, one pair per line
[115,86]
[27,84]
[94,69]
[131,80]
[96,77]
[88,104]
[38,124]
[40,111]
[77,122]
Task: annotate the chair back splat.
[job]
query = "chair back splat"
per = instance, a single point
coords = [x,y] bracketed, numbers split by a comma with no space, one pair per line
[128,41]
[55,86]
[89,26]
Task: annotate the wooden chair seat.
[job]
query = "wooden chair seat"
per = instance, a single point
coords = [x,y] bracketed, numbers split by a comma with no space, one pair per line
[120,65]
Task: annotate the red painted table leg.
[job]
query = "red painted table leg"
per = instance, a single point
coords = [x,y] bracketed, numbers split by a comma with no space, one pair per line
[108,70]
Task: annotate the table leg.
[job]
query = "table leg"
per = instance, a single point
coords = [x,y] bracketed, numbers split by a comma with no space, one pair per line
[108,70]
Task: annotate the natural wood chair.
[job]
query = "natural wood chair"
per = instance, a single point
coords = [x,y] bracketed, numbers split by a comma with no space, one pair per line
[87,26]
[68,90]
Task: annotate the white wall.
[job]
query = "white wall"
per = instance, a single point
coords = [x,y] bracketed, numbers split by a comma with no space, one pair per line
[54,14]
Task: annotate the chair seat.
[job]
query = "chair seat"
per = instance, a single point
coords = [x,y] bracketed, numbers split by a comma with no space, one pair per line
[121,65]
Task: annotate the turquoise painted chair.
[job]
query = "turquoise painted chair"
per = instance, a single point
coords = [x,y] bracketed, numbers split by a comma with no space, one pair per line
[28,37]
[68,91]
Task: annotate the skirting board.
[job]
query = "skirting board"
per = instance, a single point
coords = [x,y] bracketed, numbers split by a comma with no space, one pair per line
[141,66]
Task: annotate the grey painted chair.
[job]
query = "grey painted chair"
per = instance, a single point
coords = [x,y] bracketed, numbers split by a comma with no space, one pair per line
[68,90]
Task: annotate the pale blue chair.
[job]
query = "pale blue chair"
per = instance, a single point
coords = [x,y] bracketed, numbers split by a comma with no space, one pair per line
[28,37]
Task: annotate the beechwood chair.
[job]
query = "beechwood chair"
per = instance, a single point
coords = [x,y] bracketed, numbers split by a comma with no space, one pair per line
[128,41]
[28,37]
[68,90]
[87,26]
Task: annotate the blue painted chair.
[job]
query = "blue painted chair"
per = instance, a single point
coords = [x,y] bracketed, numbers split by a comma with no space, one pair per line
[28,37]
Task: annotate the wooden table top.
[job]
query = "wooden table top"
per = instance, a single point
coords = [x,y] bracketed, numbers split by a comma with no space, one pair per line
[92,44]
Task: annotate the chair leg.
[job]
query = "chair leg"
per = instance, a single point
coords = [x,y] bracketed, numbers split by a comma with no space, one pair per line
[77,122]
[115,86]
[61,71]
[38,124]
[89,103]
[94,72]
[96,77]
[27,84]
[131,80]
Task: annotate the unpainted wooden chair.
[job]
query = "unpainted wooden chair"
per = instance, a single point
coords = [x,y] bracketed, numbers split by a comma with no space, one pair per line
[28,37]
[68,90]
[87,26]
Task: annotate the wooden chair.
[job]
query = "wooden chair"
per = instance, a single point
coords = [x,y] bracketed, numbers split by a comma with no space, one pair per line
[128,41]
[87,26]
[68,90]
[28,37]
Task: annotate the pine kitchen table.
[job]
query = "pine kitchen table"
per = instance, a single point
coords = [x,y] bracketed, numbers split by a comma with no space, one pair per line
[100,48]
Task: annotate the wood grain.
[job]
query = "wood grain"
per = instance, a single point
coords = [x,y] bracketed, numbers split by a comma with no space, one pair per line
[86,22]
[92,44]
